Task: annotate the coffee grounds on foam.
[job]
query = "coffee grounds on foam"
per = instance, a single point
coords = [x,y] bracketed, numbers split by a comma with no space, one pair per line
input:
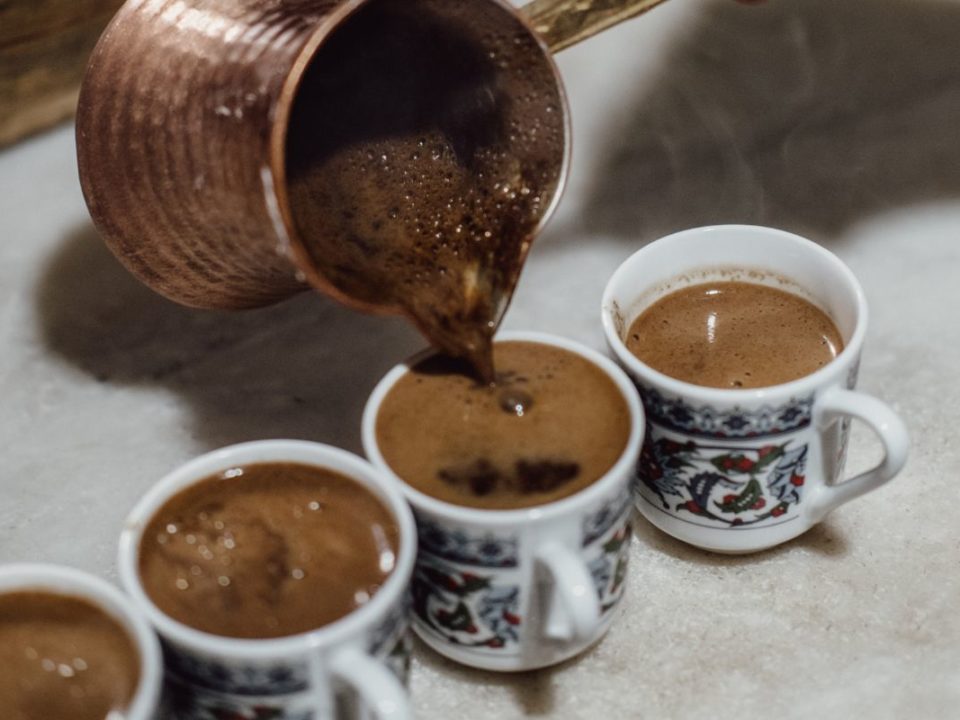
[527,476]
[553,425]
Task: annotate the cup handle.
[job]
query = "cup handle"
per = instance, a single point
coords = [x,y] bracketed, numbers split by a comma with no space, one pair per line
[378,689]
[888,427]
[574,609]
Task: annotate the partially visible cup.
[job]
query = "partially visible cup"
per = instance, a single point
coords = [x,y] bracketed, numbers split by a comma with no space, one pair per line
[523,588]
[741,470]
[72,601]
[358,661]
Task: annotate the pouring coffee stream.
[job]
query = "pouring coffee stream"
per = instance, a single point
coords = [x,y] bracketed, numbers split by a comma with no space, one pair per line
[400,157]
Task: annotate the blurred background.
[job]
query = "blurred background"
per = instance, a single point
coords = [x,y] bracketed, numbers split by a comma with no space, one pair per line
[44,45]
[839,120]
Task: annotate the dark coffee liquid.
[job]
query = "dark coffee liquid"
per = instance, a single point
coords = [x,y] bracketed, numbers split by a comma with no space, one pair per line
[267,550]
[734,335]
[552,425]
[63,658]
[424,147]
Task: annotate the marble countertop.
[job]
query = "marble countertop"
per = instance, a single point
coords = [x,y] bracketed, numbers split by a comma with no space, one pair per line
[840,121]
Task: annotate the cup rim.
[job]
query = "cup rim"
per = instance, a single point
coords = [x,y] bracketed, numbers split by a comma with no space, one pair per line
[274,173]
[68,581]
[794,388]
[260,451]
[596,491]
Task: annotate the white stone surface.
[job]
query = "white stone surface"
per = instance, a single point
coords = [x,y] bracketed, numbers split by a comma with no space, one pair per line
[839,120]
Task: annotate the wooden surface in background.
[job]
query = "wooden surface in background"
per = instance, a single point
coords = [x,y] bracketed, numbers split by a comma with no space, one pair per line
[44,45]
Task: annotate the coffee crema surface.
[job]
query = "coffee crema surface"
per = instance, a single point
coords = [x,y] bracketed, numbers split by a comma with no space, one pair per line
[63,658]
[732,334]
[267,550]
[553,424]
[425,146]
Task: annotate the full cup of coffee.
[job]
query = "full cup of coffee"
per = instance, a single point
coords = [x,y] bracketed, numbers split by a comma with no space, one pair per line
[744,343]
[72,646]
[276,574]
[520,492]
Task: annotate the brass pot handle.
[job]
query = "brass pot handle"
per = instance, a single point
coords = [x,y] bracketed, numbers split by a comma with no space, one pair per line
[563,23]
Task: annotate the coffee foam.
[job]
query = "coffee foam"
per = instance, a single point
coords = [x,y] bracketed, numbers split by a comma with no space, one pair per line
[624,317]
[267,550]
[732,333]
[553,425]
[63,657]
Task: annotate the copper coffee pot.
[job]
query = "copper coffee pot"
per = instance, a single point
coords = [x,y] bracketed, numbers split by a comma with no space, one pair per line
[182,133]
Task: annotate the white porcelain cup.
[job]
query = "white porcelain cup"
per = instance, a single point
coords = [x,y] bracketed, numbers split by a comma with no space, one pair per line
[360,659]
[525,588]
[740,470]
[57,580]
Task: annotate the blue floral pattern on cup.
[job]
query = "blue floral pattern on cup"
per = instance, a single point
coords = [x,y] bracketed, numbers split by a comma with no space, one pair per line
[459,588]
[740,470]
[460,546]
[609,568]
[234,678]
[466,589]
[596,523]
[202,688]
[392,640]
[733,485]
[465,607]
[605,538]
[676,414]
[184,701]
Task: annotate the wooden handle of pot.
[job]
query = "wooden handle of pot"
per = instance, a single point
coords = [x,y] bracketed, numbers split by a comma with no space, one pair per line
[563,23]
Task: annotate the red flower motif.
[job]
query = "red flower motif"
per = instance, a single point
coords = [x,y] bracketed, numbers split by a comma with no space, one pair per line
[727,463]
[495,642]
[471,629]
[737,521]
[797,480]
[511,618]
[729,499]
[745,464]
[765,450]
[468,577]
[670,447]
[759,504]
[778,511]
[693,507]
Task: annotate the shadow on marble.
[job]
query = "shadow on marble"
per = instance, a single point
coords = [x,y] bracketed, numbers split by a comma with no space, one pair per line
[824,539]
[808,115]
[299,369]
[532,690]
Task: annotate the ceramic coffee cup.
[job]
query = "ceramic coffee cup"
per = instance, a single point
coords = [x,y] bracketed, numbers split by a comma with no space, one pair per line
[37,577]
[522,588]
[784,444]
[360,659]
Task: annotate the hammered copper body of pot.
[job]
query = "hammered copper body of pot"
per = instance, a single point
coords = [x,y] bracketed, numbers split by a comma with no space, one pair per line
[181,132]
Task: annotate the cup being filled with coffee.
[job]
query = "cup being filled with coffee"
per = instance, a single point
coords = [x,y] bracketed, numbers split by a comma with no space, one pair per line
[520,490]
[744,343]
[276,574]
[72,646]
